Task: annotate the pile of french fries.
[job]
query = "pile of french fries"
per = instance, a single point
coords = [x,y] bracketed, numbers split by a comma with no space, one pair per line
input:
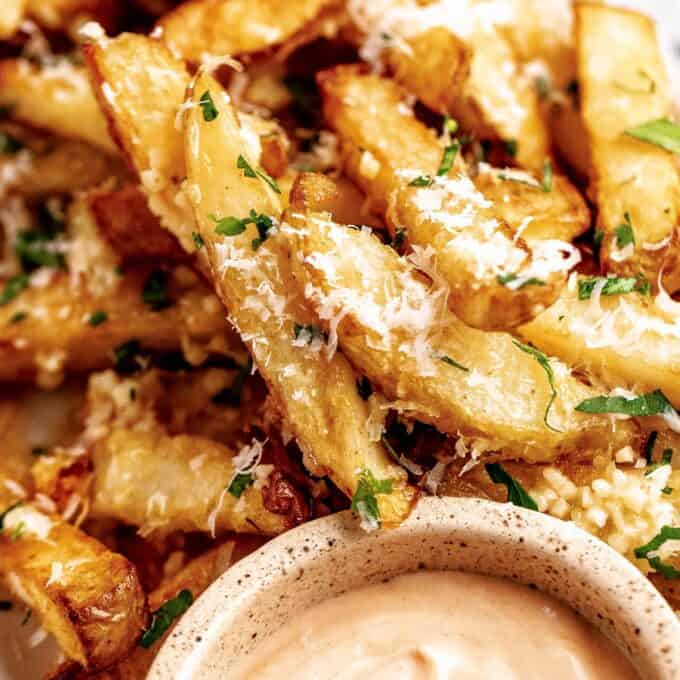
[266,260]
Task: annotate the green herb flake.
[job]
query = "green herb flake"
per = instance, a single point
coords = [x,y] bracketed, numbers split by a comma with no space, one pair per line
[649,446]
[233,226]
[13,286]
[448,157]
[614,286]
[450,125]
[666,459]
[126,357]
[624,233]
[208,107]
[644,552]
[364,501]
[448,360]
[34,249]
[9,145]
[509,279]
[661,132]
[97,318]
[547,180]
[651,404]
[240,483]
[197,239]
[510,146]
[248,171]
[667,490]
[155,291]
[516,492]
[163,617]
[542,85]
[18,531]
[18,317]
[544,363]
[422,181]
[399,239]
[364,388]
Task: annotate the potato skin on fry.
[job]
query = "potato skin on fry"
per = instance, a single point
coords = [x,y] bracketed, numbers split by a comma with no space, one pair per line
[87,596]
[503,395]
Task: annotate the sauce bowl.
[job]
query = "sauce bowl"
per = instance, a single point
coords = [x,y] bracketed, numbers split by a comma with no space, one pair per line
[333,555]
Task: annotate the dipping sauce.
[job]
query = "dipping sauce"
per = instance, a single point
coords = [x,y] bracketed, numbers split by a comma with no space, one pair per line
[438,626]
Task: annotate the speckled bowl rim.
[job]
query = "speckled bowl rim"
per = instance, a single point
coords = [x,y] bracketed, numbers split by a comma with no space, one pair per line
[332,555]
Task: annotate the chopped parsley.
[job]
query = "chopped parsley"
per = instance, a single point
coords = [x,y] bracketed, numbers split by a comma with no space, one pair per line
[516,492]
[198,240]
[547,180]
[13,286]
[155,291]
[364,388]
[422,181]
[510,146]
[667,490]
[448,360]
[624,232]
[448,157]
[17,317]
[231,396]
[34,248]
[240,483]
[208,107]
[126,357]
[399,239]
[649,446]
[364,501]
[666,459]
[644,552]
[248,171]
[308,333]
[233,226]
[450,125]
[614,285]
[163,617]
[661,132]
[9,145]
[508,280]
[544,363]
[18,531]
[651,404]
[97,318]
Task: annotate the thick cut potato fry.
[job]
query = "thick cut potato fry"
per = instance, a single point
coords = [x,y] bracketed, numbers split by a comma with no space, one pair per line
[67,106]
[68,15]
[315,391]
[570,138]
[202,27]
[478,78]
[134,232]
[89,598]
[560,213]
[162,483]
[492,274]
[626,340]
[56,336]
[397,331]
[635,184]
[10,17]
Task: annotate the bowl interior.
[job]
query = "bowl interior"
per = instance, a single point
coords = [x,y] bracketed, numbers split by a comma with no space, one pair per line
[333,555]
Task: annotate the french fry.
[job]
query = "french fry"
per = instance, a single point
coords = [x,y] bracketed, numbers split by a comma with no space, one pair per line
[397,331]
[636,185]
[68,15]
[67,106]
[457,64]
[10,19]
[628,340]
[227,27]
[88,597]
[531,211]
[497,280]
[134,232]
[315,391]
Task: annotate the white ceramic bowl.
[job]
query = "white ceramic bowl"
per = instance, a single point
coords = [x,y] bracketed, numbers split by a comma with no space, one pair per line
[332,555]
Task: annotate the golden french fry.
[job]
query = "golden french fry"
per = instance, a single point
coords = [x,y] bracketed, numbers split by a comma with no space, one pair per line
[396,330]
[88,597]
[636,185]
[11,16]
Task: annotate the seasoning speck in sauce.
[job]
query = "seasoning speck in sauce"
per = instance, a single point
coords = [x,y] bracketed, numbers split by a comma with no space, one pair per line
[438,626]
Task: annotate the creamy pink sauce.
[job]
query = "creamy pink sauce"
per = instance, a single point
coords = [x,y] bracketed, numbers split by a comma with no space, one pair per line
[438,626]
